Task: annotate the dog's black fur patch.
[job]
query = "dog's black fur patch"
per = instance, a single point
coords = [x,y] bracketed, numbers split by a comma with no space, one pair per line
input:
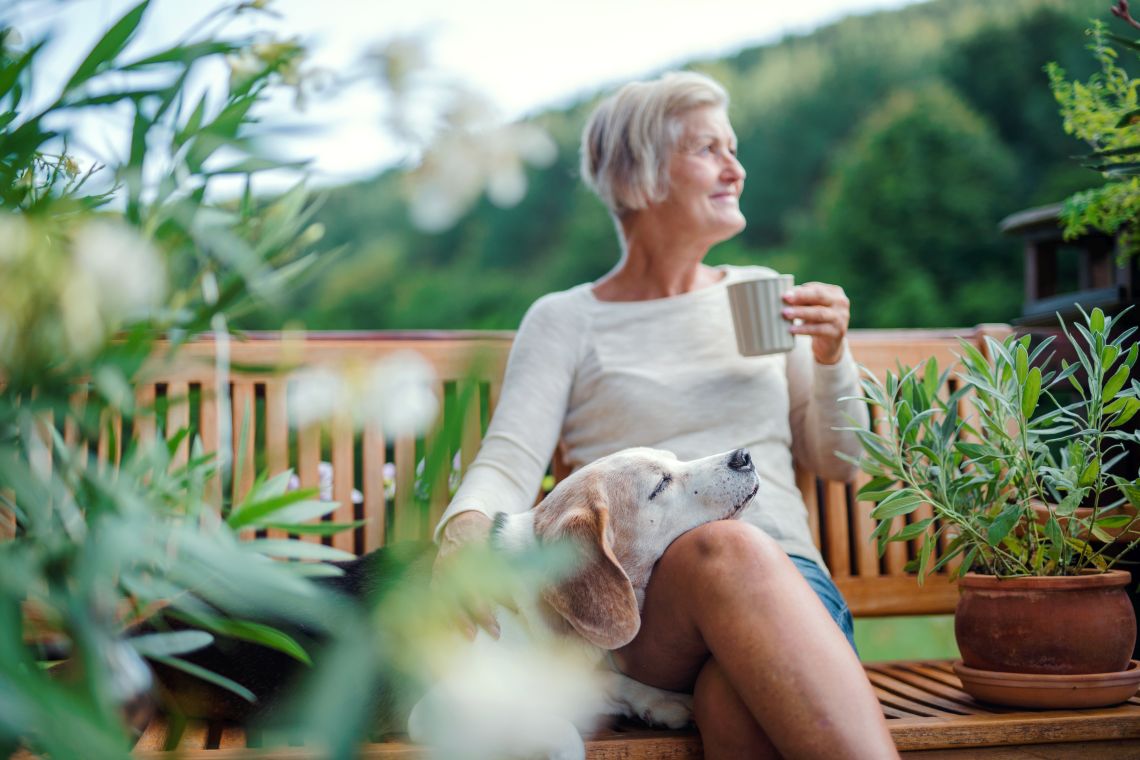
[269,673]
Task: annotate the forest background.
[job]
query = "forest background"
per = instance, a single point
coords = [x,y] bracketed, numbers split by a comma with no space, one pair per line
[882,152]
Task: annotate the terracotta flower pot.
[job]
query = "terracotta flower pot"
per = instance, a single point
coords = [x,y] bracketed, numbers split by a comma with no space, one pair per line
[1059,625]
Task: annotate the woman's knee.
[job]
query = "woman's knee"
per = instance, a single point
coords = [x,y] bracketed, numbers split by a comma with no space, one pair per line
[728,546]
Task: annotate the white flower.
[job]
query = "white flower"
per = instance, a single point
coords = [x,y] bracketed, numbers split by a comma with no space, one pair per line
[126,269]
[396,393]
[466,162]
[402,398]
[315,394]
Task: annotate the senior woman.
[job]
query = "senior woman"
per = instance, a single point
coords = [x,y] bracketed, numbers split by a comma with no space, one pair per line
[645,356]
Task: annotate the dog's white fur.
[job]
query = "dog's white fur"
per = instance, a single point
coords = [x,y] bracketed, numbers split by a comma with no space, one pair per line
[536,688]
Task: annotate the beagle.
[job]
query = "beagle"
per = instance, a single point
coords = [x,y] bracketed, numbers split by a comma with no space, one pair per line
[547,678]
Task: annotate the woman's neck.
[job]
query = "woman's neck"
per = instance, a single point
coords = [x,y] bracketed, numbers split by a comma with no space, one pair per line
[652,267]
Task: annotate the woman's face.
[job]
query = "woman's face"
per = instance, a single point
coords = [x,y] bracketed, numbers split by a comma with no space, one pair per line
[705,179]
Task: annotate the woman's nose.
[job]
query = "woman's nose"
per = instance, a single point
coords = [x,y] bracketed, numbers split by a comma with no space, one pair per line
[733,169]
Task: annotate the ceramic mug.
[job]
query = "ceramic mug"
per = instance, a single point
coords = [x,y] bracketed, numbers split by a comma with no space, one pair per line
[756,305]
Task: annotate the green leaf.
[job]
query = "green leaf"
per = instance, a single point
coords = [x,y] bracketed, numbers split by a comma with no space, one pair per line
[1068,505]
[257,633]
[318,528]
[1115,383]
[1021,363]
[275,547]
[208,675]
[1055,543]
[899,503]
[109,46]
[1096,320]
[1089,476]
[876,486]
[1128,406]
[912,530]
[10,74]
[1003,524]
[250,513]
[977,451]
[1100,533]
[1031,392]
[183,54]
[156,645]
[924,555]
[930,378]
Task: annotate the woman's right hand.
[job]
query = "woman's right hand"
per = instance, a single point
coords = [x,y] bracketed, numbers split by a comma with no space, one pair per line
[465,530]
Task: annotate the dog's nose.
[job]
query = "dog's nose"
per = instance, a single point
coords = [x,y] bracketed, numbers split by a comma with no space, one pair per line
[740,460]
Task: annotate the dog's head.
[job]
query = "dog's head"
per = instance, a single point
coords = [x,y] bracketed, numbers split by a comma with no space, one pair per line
[622,512]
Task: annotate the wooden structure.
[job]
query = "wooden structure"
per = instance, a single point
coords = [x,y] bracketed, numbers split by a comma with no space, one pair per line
[928,713]
[1060,274]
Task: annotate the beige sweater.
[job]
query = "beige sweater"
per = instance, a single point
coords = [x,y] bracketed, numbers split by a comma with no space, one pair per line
[603,376]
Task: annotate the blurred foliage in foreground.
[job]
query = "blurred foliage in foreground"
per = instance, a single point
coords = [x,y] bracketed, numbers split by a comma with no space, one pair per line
[119,538]
[882,151]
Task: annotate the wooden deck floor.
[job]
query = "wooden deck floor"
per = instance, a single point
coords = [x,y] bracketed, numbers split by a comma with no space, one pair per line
[928,714]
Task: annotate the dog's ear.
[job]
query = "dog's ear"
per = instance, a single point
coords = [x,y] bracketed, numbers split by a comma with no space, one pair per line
[597,598]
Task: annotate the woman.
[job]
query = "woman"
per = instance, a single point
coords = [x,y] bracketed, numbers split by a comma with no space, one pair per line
[646,356]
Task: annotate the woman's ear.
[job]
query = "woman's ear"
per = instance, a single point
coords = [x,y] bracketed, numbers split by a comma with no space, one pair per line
[597,597]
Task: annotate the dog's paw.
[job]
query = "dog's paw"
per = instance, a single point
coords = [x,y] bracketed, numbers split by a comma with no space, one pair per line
[668,710]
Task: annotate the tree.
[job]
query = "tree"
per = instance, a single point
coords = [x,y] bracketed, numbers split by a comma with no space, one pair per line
[907,220]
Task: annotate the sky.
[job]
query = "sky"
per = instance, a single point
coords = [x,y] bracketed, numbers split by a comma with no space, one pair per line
[525,55]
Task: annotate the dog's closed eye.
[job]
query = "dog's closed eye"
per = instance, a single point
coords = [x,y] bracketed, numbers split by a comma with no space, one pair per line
[665,481]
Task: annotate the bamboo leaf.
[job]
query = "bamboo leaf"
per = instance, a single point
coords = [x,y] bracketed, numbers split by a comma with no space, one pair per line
[208,675]
[109,46]
[275,547]
[317,528]
[156,645]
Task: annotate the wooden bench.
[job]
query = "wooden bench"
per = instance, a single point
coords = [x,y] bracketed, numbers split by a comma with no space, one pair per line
[928,714]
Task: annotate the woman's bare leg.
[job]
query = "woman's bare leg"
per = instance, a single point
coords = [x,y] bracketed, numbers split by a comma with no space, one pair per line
[728,730]
[728,590]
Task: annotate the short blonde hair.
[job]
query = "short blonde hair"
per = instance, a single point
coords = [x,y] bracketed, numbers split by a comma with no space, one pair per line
[628,139]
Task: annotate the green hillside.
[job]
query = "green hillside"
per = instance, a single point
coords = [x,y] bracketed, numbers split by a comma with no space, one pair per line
[881,152]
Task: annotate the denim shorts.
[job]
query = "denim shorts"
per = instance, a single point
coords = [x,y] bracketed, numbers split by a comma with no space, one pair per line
[829,595]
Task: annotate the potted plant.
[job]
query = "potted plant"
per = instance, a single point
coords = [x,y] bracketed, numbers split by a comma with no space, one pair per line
[1026,505]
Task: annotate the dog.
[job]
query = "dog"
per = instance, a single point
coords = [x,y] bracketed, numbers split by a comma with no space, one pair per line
[543,683]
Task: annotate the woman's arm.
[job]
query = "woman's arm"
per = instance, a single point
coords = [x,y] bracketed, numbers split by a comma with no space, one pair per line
[816,411]
[508,470]
[820,372]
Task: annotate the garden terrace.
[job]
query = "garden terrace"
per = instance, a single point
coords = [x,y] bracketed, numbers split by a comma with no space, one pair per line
[928,714]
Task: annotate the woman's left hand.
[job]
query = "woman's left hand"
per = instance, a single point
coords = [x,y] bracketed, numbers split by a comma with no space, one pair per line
[823,311]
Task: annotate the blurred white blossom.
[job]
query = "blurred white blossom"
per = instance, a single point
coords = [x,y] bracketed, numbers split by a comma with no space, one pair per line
[116,276]
[397,393]
[464,163]
[75,289]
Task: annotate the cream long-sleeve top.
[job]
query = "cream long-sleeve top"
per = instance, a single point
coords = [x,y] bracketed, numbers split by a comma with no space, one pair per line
[602,376]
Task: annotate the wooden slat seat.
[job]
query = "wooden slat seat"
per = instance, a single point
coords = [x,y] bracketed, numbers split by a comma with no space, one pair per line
[926,711]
